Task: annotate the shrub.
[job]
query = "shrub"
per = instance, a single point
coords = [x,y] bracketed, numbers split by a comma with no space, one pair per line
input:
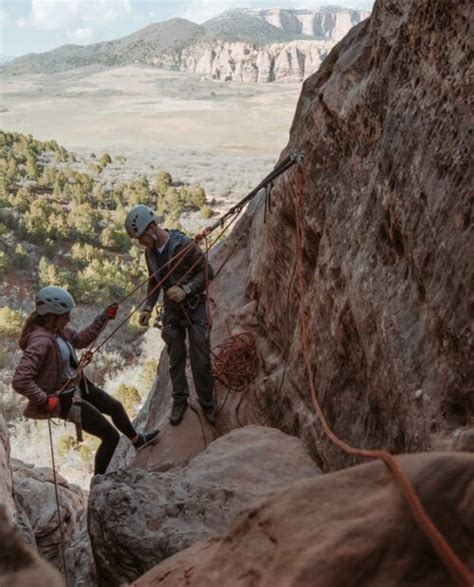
[66,443]
[5,263]
[148,374]
[83,254]
[129,396]
[11,322]
[21,200]
[114,238]
[21,258]
[84,220]
[50,274]
[163,181]
[206,212]
[105,160]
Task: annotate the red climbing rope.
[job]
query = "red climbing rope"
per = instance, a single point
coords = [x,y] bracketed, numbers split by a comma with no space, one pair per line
[453,563]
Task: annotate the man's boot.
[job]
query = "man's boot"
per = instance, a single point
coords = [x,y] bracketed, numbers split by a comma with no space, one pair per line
[177,412]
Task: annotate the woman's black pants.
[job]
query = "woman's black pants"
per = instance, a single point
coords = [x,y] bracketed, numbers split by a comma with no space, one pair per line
[94,404]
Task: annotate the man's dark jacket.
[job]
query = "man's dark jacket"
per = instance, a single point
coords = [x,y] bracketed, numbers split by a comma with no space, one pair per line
[191,265]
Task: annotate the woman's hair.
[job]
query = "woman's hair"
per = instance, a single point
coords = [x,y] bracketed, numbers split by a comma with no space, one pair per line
[31,323]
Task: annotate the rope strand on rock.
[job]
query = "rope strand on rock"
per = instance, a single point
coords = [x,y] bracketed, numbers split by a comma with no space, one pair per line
[58,505]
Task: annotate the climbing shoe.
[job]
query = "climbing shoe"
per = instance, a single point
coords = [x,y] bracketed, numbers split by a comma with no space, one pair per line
[177,412]
[144,439]
[211,415]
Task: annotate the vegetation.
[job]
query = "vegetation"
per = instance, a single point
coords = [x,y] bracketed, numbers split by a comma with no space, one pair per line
[129,396]
[75,221]
[11,322]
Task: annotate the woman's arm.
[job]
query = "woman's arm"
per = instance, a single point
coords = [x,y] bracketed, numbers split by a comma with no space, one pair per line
[84,338]
[31,363]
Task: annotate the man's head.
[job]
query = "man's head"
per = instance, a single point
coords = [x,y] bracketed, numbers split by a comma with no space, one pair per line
[138,220]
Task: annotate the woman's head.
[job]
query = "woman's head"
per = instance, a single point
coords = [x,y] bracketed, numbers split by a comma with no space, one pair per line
[53,307]
[53,300]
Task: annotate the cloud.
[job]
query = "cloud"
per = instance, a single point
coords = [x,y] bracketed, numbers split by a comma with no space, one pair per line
[76,17]
[4,17]
[81,35]
[201,10]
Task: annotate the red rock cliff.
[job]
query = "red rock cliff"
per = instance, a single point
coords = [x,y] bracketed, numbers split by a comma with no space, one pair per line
[387,241]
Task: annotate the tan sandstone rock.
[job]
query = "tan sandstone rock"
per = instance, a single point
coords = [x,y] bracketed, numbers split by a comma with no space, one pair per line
[139,518]
[348,528]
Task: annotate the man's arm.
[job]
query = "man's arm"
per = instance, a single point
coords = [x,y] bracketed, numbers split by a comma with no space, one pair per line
[153,292]
[195,282]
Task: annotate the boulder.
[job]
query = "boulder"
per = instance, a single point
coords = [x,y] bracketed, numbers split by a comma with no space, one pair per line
[352,527]
[20,565]
[36,500]
[139,518]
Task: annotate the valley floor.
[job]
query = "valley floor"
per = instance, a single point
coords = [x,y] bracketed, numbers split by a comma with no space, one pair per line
[225,136]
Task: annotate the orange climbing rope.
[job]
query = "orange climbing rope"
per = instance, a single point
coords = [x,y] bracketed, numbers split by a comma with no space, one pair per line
[453,563]
[235,366]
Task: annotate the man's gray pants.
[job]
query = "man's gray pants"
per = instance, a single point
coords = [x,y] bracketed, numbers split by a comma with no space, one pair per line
[173,333]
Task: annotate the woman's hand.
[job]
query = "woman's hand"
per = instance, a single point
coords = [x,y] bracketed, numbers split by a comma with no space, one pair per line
[111,311]
[52,402]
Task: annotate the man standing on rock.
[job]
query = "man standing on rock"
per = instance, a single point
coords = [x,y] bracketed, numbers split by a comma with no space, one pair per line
[184,306]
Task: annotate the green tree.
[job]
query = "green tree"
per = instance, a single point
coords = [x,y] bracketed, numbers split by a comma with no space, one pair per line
[114,238]
[37,218]
[11,322]
[21,200]
[51,274]
[198,197]
[105,160]
[163,181]
[32,168]
[84,220]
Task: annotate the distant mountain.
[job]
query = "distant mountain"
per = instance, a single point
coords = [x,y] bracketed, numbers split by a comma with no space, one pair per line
[6,58]
[139,47]
[285,44]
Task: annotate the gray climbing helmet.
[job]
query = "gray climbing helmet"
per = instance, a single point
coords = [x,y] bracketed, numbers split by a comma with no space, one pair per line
[53,300]
[138,220]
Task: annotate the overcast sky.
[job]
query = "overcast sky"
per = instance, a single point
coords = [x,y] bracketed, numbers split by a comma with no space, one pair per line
[40,25]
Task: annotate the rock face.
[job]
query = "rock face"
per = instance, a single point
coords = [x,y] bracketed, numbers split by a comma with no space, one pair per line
[327,23]
[6,493]
[20,566]
[386,250]
[35,496]
[28,501]
[248,62]
[138,518]
[347,528]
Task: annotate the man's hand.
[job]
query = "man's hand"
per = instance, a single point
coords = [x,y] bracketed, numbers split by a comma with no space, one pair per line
[52,403]
[144,317]
[176,294]
[111,311]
